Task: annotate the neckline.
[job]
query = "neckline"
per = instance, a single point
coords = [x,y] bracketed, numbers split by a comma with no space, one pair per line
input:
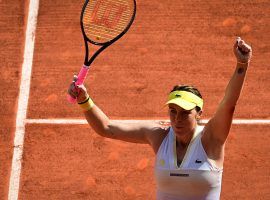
[195,134]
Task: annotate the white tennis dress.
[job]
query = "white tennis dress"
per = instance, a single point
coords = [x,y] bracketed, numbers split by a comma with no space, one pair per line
[195,179]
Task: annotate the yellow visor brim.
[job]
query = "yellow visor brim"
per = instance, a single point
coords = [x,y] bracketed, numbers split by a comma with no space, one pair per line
[185,100]
[182,103]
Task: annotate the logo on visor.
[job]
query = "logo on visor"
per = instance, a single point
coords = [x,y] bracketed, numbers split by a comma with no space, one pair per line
[178,95]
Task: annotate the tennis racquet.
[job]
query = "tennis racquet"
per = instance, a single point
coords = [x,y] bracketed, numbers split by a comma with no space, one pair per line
[102,23]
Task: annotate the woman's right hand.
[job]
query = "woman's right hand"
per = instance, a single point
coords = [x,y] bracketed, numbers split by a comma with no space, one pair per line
[78,92]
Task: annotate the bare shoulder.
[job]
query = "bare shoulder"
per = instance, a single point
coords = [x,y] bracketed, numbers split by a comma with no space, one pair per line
[156,131]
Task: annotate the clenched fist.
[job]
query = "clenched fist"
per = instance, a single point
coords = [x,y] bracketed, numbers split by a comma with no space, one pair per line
[78,92]
[242,51]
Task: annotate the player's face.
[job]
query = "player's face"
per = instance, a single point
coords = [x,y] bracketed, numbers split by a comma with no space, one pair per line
[183,121]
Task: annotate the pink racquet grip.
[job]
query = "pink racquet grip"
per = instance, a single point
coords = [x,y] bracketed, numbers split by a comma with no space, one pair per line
[81,77]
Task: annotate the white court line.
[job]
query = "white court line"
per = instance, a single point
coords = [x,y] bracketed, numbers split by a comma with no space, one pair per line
[14,181]
[82,121]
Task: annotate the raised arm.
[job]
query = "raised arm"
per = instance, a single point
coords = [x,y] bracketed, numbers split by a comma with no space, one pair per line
[217,129]
[142,132]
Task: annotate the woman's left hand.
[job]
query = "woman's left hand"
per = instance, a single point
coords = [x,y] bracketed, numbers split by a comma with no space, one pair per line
[242,51]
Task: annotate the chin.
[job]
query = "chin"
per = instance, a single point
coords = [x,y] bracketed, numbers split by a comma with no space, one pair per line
[182,130]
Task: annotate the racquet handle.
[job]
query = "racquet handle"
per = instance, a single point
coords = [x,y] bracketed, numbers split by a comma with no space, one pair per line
[81,77]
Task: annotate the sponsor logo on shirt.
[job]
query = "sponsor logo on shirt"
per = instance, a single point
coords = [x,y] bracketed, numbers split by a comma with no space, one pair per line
[162,162]
[176,174]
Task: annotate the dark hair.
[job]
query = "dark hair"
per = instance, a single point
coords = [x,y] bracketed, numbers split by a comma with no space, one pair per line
[188,88]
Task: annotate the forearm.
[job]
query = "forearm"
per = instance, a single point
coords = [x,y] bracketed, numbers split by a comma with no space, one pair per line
[235,85]
[98,120]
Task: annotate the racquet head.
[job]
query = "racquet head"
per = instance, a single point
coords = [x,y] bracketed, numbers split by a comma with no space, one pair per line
[105,21]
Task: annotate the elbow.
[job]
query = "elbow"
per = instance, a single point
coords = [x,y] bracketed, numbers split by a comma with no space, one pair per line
[102,128]
[107,130]
[101,132]
[229,102]
[229,106]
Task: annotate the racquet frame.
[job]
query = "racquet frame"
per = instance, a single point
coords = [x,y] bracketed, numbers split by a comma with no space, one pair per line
[87,61]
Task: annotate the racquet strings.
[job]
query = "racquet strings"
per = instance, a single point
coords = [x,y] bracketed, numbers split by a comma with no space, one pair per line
[104,20]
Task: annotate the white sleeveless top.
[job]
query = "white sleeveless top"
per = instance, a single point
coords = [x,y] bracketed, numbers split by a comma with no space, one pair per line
[195,179]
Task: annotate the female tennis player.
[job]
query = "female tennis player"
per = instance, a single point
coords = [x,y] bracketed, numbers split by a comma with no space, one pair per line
[189,157]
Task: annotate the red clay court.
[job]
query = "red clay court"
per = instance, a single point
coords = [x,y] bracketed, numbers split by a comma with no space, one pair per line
[171,43]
